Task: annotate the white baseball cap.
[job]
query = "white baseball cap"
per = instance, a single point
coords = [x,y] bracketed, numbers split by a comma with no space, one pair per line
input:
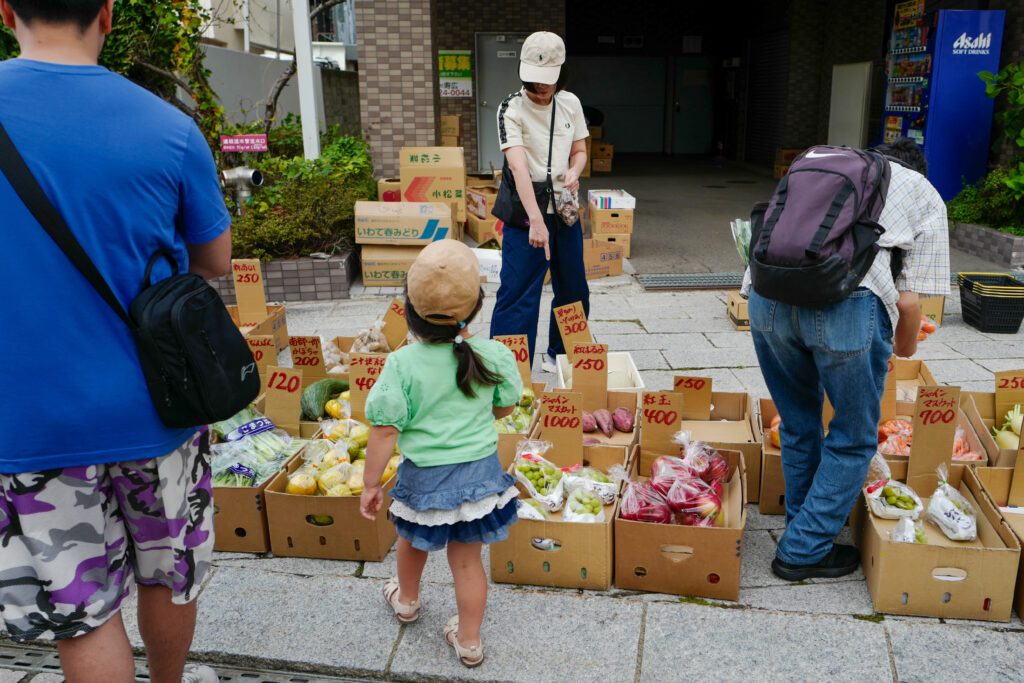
[541,58]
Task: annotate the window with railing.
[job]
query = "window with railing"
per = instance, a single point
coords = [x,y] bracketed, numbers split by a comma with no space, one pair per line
[337,25]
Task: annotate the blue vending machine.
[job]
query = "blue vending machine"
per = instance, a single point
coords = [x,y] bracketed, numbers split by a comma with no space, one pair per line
[934,94]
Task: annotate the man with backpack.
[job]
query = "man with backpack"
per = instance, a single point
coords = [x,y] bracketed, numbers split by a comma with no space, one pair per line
[837,261]
[98,497]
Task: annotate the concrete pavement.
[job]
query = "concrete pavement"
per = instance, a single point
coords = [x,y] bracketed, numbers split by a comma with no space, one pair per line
[318,618]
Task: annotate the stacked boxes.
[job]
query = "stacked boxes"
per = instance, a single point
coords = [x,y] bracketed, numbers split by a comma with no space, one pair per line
[611,217]
[599,152]
[392,235]
[783,158]
[451,130]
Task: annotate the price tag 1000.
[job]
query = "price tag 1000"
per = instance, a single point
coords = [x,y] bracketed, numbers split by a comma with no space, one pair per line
[661,417]
[264,352]
[935,417]
[284,389]
[520,348]
[590,374]
[572,324]
[308,355]
[364,369]
[696,393]
[252,300]
[561,423]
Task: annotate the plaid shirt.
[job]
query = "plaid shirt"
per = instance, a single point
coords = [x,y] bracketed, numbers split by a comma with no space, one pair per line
[914,218]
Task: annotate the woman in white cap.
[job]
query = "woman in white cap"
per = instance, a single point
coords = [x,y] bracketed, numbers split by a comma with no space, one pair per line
[524,129]
[438,400]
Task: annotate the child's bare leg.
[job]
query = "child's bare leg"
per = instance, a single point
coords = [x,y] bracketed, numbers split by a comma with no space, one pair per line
[410,569]
[470,590]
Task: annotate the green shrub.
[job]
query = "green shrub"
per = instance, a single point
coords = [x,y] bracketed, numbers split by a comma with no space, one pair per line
[989,202]
[305,206]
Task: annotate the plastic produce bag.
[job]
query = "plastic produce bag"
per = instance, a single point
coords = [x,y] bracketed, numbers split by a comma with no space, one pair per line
[950,511]
[641,503]
[741,235]
[665,470]
[583,506]
[371,340]
[694,503]
[696,454]
[589,479]
[530,509]
[543,481]
[568,207]
[891,499]
[907,531]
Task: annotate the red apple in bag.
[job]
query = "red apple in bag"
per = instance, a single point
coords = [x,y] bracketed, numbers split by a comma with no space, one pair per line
[708,505]
[719,467]
[686,519]
[685,494]
[641,503]
[665,470]
[716,488]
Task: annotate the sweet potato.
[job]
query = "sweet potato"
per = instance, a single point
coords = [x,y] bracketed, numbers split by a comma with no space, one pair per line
[622,419]
[604,421]
[589,423]
[591,441]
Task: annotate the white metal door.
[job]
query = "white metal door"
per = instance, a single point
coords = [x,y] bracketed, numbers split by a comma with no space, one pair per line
[497,75]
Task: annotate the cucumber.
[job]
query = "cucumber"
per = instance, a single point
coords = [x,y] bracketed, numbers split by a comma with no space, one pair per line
[317,394]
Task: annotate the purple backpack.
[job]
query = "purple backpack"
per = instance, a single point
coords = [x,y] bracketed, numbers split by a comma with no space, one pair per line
[812,244]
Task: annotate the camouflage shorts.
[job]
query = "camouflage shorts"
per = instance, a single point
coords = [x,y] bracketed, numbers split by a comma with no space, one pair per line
[73,539]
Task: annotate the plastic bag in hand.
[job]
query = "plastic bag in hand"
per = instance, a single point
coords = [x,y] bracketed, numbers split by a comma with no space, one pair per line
[641,503]
[950,511]
[589,479]
[694,502]
[543,481]
[907,531]
[568,207]
[583,506]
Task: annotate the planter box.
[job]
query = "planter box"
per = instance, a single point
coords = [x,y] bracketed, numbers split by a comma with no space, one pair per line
[301,279]
[999,247]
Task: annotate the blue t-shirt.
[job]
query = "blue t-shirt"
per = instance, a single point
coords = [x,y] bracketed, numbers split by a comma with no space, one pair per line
[130,174]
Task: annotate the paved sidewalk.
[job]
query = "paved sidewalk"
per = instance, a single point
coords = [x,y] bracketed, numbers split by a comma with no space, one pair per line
[328,617]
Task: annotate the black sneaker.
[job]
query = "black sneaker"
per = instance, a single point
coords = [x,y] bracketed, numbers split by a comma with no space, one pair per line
[840,561]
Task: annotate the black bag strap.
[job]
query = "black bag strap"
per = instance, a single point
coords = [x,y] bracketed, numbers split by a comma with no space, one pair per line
[551,140]
[27,187]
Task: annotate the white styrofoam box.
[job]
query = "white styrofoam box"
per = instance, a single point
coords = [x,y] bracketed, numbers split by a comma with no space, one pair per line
[490,264]
[611,199]
[622,372]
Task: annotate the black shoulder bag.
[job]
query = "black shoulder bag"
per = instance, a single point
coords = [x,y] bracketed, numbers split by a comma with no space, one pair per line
[197,365]
[507,205]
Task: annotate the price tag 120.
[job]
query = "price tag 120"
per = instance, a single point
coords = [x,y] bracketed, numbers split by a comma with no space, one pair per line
[696,393]
[572,324]
[364,369]
[308,355]
[517,343]
[284,389]
[263,352]
[252,300]
[661,417]
[590,374]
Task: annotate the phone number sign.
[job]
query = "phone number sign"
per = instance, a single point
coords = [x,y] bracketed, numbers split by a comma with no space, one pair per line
[455,72]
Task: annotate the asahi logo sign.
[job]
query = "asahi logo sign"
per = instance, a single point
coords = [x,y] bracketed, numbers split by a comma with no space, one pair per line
[978,45]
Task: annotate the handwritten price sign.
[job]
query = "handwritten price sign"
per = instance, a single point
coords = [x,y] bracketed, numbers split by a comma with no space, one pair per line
[661,417]
[364,369]
[935,416]
[520,348]
[561,423]
[263,352]
[252,300]
[284,389]
[308,354]
[572,325]
[590,374]
[1009,391]
[696,393]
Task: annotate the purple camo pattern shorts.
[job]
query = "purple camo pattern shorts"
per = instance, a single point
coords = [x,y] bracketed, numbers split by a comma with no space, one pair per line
[72,539]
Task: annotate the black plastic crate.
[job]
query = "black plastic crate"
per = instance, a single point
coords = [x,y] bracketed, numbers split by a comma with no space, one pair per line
[991,313]
[992,284]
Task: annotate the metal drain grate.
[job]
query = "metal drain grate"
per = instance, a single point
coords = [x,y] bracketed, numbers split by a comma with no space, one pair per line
[661,281]
[39,661]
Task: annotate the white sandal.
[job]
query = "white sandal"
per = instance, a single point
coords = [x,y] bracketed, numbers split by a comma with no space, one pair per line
[406,614]
[468,656]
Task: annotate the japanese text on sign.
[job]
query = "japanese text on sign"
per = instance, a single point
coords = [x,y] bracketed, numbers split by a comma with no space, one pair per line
[455,73]
[243,143]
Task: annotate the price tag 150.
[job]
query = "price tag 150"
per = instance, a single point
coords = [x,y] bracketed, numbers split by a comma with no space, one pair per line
[364,369]
[661,417]
[517,343]
[252,300]
[308,355]
[572,325]
[590,374]
[284,389]
[696,393]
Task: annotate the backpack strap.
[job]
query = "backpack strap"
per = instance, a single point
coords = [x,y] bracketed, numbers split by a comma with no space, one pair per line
[830,220]
[769,224]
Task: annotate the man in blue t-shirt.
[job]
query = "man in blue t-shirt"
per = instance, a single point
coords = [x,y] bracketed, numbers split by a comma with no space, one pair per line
[97,496]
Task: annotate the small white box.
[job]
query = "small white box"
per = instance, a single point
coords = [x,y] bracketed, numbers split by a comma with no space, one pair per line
[490,264]
[622,372]
[611,199]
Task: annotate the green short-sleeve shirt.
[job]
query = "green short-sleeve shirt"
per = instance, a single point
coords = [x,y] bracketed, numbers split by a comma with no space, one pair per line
[416,392]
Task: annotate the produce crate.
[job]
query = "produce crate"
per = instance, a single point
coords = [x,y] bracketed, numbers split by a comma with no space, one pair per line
[622,372]
[991,302]
[736,309]
[274,325]
[996,481]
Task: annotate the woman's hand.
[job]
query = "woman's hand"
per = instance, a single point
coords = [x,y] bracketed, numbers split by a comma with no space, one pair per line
[539,234]
[370,501]
[572,181]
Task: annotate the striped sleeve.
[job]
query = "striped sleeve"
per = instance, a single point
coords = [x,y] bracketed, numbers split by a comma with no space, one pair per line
[510,129]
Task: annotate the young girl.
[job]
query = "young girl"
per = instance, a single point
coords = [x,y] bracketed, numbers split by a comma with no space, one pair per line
[438,399]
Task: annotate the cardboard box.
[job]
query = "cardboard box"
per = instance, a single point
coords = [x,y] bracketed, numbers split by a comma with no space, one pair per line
[449,140]
[615,448]
[490,264]
[997,481]
[785,156]
[385,266]
[323,526]
[389,190]
[933,307]
[685,560]
[240,519]
[610,221]
[601,259]
[981,411]
[402,223]
[434,174]
[601,165]
[451,124]
[480,201]
[780,170]
[507,442]
[904,377]
[274,325]
[482,229]
[602,150]
[611,199]
[482,180]
[736,309]
[596,132]
[622,372]
[586,168]
[622,241]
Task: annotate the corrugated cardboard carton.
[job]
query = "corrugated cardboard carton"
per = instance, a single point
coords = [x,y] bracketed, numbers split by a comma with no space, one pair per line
[596,132]
[601,259]
[451,124]
[387,266]
[402,223]
[603,150]
[997,482]
[449,140]
[610,221]
[482,229]
[736,309]
[274,325]
[611,199]
[932,307]
[685,560]
[389,190]
[904,377]
[434,174]
[601,165]
[586,169]
[619,240]
[480,201]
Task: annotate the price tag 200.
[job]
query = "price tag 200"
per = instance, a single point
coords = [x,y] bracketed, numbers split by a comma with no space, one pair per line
[284,389]
[590,374]
[307,354]
[364,369]
[696,393]
[517,343]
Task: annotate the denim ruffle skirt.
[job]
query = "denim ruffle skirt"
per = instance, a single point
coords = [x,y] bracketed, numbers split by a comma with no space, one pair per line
[471,502]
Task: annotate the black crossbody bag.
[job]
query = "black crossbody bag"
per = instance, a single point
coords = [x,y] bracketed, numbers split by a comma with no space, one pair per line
[507,205]
[198,366]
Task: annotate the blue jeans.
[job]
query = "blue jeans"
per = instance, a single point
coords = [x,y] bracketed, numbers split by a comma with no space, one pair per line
[522,279]
[844,350]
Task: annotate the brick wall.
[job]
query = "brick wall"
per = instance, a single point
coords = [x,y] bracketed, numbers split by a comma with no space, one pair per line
[341,99]
[456,23]
[397,78]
